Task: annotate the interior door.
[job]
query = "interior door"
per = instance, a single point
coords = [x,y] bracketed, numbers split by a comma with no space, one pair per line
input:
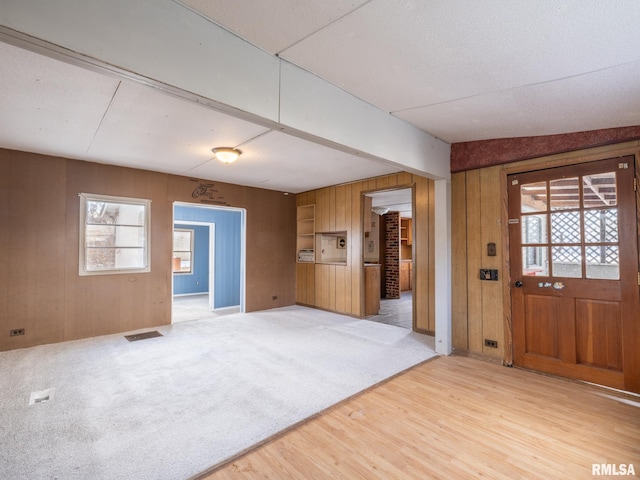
[574,272]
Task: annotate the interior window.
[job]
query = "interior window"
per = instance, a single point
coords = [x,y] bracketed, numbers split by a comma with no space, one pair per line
[183,250]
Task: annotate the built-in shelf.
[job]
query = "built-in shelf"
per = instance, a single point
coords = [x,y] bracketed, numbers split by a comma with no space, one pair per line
[306,231]
[331,248]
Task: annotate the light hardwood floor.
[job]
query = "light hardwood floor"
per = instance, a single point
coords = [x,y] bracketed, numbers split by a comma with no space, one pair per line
[457,418]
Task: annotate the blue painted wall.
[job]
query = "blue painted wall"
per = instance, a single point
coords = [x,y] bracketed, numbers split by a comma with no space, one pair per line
[227,249]
[198,280]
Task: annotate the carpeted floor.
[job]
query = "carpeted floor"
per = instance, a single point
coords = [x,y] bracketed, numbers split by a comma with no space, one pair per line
[171,407]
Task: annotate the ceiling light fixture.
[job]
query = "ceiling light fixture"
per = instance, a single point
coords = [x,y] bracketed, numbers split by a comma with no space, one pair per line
[226,154]
[380,210]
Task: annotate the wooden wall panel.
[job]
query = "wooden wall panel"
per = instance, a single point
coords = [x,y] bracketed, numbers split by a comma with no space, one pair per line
[459,279]
[105,304]
[322,277]
[481,309]
[322,210]
[421,255]
[346,299]
[491,231]
[474,261]
[357,259]
[404,178]
[40,289]
[432,255]
[332,209]
[32,249]
[383,183]
[339,208]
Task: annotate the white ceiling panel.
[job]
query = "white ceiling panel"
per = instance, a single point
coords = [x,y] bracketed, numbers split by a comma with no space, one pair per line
[276,24]
[460,70]
[47,106]
[290,164]
[606,99]
[149,129]
[401,56]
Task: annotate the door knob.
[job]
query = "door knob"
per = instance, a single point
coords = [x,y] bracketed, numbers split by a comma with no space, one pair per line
[518,284]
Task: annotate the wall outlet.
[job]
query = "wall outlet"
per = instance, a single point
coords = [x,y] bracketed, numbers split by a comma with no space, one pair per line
[275,297]
[490,343]
[489,274]
[16,332]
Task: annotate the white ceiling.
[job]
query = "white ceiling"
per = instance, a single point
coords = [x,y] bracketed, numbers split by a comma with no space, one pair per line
[456,69]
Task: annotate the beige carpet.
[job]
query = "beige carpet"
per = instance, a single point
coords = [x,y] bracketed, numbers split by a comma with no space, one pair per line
[170,407]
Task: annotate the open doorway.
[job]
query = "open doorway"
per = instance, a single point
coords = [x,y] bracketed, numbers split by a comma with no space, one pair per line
[388,246]
[208,261]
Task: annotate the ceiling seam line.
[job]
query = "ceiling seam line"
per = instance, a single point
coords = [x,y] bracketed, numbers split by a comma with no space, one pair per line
[568,77]
[104,115]
[279,53]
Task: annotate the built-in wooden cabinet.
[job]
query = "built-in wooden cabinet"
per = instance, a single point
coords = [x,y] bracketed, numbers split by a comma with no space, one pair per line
[406,231]
[306,233]
[371,289]
[406,270]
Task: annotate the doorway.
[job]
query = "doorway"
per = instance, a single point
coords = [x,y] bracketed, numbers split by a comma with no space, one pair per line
[388,245]
[574,271]
[209,263]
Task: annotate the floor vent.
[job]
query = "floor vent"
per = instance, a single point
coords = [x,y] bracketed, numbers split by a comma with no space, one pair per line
[142,336]
[41,396]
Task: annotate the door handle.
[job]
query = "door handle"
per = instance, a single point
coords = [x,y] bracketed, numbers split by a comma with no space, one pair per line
[518,284]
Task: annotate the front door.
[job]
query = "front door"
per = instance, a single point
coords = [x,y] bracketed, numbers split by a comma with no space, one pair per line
[574,272]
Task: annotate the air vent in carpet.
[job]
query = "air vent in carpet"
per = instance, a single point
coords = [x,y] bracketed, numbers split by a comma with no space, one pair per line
[142,336]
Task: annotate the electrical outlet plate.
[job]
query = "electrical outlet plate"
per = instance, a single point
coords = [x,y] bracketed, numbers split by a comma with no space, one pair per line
[15,332]
[489,274]
[490,343]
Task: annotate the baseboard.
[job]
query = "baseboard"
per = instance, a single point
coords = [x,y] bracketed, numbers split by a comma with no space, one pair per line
[463,352]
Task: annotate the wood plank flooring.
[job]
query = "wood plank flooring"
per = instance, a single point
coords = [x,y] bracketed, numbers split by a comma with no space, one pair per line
[457,418]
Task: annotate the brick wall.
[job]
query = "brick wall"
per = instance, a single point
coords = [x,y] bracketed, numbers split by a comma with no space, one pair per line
[392,255]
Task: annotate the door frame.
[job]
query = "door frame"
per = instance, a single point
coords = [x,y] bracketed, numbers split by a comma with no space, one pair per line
[212,257]
[243,249]
[365,193]
[543,163]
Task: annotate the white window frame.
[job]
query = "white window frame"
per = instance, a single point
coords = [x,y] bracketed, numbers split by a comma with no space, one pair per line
[192,235]
[87,197]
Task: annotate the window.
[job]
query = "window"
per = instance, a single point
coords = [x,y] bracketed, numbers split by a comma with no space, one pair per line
[114,235]
[183,250]
[575,220]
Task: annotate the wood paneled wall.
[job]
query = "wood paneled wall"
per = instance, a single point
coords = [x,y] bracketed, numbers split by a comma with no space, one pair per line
[40,289]
[481,309]
[340,288]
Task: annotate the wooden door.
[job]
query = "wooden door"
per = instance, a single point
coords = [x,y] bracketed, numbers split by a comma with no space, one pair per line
[574,272]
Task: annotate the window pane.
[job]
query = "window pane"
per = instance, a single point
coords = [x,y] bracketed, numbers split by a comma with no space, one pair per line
[565,193]
[100,236]
[100,259]
[601,225]
[533,197]
[534,228]
[182,240]
[567,262]
[129,236]
[603,262]
[535,261]
[106,213]
[130,258]
[565,227]
[182,262]
[600,190]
